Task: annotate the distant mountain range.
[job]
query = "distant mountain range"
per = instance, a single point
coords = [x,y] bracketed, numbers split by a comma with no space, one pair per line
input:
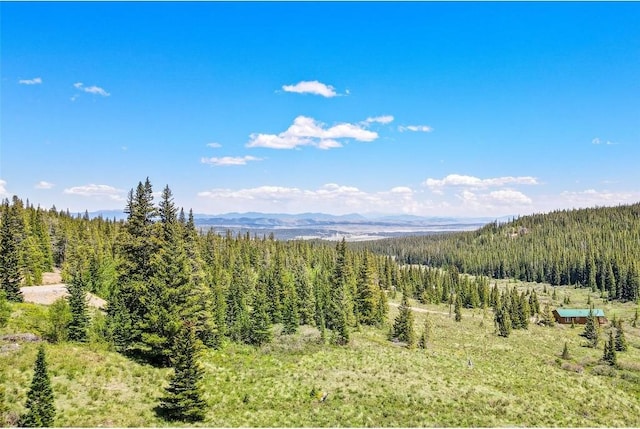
[326,226]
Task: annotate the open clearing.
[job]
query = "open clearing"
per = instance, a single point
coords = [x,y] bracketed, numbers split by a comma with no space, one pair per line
[47,294]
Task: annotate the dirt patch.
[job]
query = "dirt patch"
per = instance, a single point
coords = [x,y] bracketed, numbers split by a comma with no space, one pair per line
[420,310]
[52,278]
[47,294]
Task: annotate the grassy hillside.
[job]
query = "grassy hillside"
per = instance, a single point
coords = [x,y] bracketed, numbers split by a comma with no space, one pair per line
[513,381]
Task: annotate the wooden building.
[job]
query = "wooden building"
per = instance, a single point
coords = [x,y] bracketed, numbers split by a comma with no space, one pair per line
[577,316]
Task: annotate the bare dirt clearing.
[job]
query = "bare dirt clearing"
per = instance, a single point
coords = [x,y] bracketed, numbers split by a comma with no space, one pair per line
[420,310]
[47,294]
[52,278]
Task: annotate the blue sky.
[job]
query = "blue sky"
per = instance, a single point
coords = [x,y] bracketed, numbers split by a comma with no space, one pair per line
[463,109]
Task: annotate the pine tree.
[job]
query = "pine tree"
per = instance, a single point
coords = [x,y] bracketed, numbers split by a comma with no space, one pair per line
[40,404]
[621,342]
[79,323]
[290,318]
[10,233]
[423,341]
[237,316]
[183,400]
[565,352]
[337,317]
[403,323]
[503,321]
[458,308]
[547,316]
[260,330]
[592,329]
[304,292]
[137,243]
[609,355]
[366,297]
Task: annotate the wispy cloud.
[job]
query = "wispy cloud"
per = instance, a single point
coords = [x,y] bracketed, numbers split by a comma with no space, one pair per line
[307,131]
[330,198]
[229,160]
[93,190]
[44,185]
[598,141]
[415,128]
[91,89]
[214,145]
[3,189]
[592,197]
[311,87]
[34,81]
[458,180]
[385,119]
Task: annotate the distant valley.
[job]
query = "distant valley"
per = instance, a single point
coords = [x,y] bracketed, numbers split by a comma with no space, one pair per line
[308,226]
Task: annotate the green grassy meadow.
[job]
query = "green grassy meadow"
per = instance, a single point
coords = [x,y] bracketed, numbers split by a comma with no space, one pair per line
[515,381]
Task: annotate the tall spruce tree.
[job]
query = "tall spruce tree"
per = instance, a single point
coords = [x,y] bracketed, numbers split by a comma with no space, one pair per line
[40,403]
[503,320]
[547,318]
[183,400]
[304,291]
[10,241]
[592,329]
[137,243]
[621,342]
[425,336]
[458,308]
[337,317]
[260,328]
[290,318]
[367,293]
[79,323]
[609,355]
[237,315]
[403,324]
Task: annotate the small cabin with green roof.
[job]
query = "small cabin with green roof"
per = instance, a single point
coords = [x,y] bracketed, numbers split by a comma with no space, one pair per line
[577,316]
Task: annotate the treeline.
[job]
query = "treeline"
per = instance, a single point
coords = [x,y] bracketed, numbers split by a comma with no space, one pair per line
[596,248]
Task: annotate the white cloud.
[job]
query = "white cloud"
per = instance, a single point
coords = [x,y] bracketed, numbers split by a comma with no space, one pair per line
[311,87]
[458,180]
[592,197]
[385,119]
[508,197]
[229,160]
[91,89]
[214,145]
[307,131]
[492,201]
[3,189]
[415,128]
[93,190]
[44,185]
[35,81]
[598,141]
[329,198]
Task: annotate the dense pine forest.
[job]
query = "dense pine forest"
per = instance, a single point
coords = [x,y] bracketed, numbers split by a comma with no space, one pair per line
[595,248]
[180,302]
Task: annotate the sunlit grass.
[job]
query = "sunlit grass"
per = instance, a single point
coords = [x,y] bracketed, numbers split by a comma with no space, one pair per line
[515,381]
